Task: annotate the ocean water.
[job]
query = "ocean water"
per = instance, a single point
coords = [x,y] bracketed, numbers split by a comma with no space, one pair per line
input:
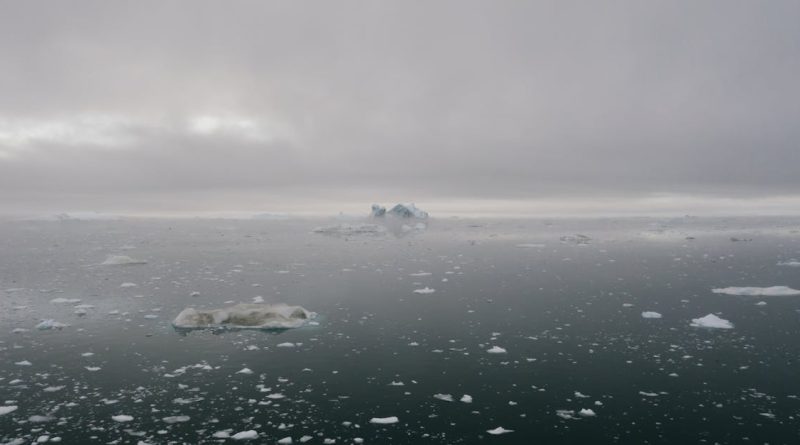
[562,298]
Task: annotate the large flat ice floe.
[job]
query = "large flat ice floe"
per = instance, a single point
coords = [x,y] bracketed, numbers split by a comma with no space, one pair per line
[711,321]
[245,316]
[772,291]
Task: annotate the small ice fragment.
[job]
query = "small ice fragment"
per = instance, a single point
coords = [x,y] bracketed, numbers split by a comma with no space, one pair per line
[176,419]
[443,397]
[466,398]
[425,290]
[62,300]
[496,350]
[245,435]
[384,420]
[122,418]
[286,440]
[711,321]
[49,324]
[121,260]
[246,371]
[650,314]
[286,345]
[23,363]
[587,412]
[499,430]
[126,285]
[7,409]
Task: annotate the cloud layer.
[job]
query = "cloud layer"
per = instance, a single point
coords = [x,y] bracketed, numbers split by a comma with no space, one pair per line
[136,102]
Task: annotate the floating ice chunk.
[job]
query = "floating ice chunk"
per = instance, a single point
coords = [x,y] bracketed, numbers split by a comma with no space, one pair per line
[61,300]
[121,260]
[49,324]
[567,414]
[498,431]
[650,314]
[176,419]
[7,409]
[790,263]
[305,439]
[466,398]
[351,230]
[576,239]
[23,363]
[122,418]
[761,303]
[424,290]
[384,420]
[245,316]
[93,368]
[711,321]
[530,245]
[587,412]
[258,299]
[286,345]
[246,435]
[286,440]
[772,291]
[246,371]
[443,397]
[496,350]
[127,285]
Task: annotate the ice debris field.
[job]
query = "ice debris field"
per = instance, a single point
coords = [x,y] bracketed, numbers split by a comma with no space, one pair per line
[399,328]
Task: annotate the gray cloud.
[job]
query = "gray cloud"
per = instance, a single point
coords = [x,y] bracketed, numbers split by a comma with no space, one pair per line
[108,103]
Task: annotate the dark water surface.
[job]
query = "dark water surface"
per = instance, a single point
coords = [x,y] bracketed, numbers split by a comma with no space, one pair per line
[567,312]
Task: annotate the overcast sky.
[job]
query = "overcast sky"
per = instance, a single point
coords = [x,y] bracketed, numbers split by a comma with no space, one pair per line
[235,105]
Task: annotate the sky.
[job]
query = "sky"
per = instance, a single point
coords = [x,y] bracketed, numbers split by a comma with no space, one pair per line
[460,106]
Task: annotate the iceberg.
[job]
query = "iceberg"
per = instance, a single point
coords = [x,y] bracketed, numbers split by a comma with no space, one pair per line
[711,321]
[772,291]
[245,316]
[378,211]
[408,211]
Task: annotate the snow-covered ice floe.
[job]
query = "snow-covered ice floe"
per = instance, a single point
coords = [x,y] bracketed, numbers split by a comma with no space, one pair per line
[245,316]
[384,420]
[772,291]
[121,260]
[711,321]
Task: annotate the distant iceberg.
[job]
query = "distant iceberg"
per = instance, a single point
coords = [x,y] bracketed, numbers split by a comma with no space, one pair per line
[378,211]
[400,211]
[245,316]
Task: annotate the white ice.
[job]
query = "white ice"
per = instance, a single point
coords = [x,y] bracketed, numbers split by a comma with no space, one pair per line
[772,291]
[121,260]
[499,430]
[384,420]
[711,321]
[650,314]
[245,316]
